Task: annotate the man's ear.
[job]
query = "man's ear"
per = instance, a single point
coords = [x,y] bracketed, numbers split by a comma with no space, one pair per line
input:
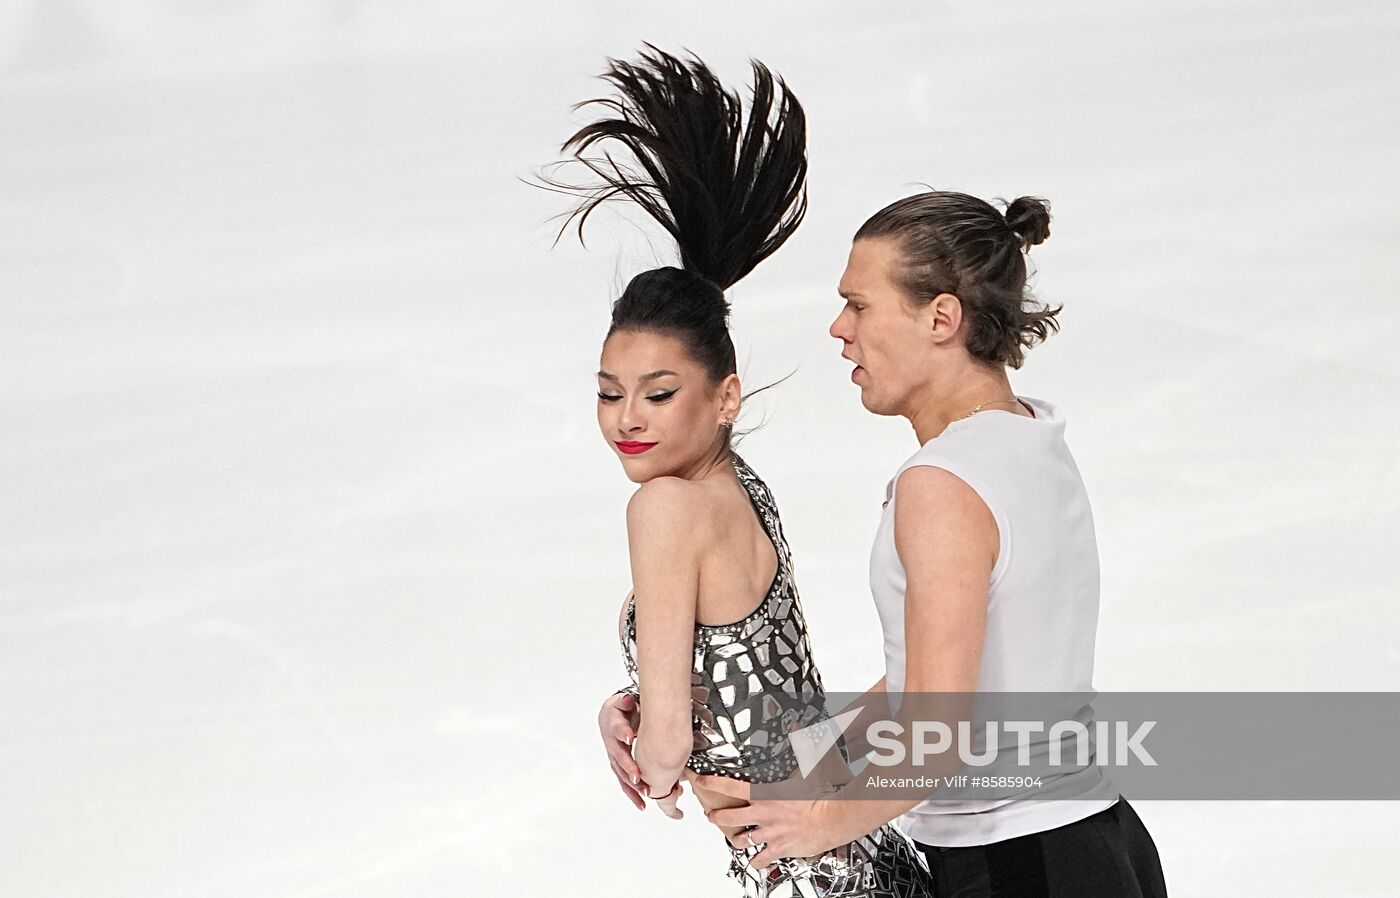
[944,314]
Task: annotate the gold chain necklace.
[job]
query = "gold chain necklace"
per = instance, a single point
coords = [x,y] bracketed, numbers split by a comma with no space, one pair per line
[983,405]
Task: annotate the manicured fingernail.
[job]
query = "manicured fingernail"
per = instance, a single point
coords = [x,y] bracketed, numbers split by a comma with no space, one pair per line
[634,779]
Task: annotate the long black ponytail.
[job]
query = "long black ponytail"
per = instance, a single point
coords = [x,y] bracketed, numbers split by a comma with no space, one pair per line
[729,188]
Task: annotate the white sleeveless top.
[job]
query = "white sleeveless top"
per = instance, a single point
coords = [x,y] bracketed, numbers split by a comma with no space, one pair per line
[1043,604]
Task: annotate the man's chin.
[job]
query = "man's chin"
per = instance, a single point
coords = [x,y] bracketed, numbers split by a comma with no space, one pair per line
[868,401]
[872,404]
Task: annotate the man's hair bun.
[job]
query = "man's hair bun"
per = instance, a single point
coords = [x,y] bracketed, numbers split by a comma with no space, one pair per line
[1029,217]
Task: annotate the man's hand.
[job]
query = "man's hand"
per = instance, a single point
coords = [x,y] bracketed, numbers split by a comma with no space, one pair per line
[786,828]
[617,724]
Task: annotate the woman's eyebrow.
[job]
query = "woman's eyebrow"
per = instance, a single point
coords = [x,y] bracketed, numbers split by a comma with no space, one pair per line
[652,376]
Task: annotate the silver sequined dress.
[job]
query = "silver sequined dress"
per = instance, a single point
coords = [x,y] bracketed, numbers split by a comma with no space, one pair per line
[752,683]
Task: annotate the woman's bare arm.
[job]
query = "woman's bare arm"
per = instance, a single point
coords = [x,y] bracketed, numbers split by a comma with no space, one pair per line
[667,533]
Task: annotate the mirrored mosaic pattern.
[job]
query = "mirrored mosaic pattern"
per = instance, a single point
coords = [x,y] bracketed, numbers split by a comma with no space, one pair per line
[753,683]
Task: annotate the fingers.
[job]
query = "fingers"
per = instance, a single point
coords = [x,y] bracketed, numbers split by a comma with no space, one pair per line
[667,802]
[631,783]
[617,738]
[618,754]
[623,701]
[618,724]
[621,729]
[724,785]
[619,717]
[627,704]
[632,795]
[674,795]
[627,773]
[753,838]
[731,816]
[630,713]
[622,762]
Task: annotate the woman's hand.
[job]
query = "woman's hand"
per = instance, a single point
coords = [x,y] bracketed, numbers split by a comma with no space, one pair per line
[667,803]
[617,724]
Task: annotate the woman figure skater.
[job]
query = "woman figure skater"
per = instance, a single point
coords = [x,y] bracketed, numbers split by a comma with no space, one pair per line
[712,633]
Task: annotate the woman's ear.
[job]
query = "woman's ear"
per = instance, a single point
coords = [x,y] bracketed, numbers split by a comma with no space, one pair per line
[730,396]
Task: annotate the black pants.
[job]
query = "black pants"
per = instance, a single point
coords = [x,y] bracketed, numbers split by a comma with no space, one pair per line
[1106,855]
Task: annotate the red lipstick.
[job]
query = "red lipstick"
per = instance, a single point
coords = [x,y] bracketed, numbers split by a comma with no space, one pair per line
[631,447]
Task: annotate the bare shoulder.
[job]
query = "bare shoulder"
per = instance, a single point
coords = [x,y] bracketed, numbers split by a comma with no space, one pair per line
[671,518]
[929,493]
[669,503]
[924,482]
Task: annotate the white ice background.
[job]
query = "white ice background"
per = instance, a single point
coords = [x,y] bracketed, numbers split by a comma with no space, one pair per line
[311,554]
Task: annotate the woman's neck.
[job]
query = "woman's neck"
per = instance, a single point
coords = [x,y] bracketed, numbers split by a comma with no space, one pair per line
[715,461]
